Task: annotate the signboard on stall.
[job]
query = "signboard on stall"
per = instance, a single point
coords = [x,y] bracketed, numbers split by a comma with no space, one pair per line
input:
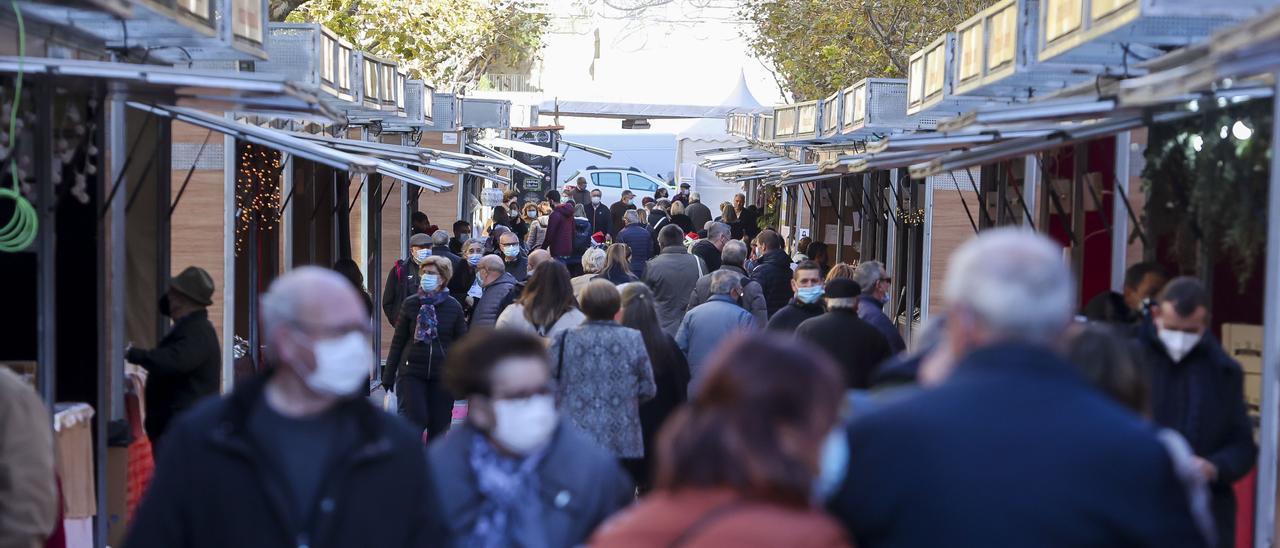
[491,197]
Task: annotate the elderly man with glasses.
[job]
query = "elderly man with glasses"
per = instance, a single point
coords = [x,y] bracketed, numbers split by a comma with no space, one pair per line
[877,286]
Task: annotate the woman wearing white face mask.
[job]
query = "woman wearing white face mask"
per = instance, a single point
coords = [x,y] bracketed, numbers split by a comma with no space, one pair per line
[430,322]
[516,473]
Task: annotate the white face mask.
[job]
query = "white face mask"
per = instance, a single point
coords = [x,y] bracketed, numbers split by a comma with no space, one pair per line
[342,364]
[524,425]
[1178,343]
[595,200]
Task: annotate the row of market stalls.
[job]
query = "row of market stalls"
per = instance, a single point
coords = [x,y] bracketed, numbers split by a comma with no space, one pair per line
[1126,130]
[143,136]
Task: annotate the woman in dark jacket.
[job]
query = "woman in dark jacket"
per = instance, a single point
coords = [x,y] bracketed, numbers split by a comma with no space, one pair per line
[670,373]
[430,322]
[617,265]
[680,219]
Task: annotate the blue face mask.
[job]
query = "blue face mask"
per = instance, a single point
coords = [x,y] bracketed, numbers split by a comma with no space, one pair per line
[430,282]
[833,463]
[421,255]
[511,250]
[809,295]
[474,259]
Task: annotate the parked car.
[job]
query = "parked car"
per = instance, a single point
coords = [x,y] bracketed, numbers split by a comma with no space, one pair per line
[613,180]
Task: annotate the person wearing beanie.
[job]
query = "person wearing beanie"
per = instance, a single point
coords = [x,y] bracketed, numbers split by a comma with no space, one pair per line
[857,346]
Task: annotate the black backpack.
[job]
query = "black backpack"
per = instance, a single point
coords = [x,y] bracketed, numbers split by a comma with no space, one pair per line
[581,236]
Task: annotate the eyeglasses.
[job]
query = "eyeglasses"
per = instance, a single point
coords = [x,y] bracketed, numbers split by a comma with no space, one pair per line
[545,390]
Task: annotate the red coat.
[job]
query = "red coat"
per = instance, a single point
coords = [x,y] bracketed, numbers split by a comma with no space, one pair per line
[663,517]
[559,239]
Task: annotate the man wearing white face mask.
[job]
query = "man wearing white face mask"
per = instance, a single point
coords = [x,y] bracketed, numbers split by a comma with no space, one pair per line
[293,457]
[402,281]
[516,474]
[1198,390]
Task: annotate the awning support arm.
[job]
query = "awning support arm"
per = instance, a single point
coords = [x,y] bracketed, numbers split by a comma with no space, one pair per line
[1017,189]
[956,185]
[115,186]
[986,217]
[363,178]
[387,195]
[1137,226]
[1054,200]
[190,171]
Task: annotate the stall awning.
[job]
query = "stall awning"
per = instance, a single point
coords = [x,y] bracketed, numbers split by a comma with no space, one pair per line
[520,146]
[418,157]
[217,90]
[587,148]
[289,144]
[505,161]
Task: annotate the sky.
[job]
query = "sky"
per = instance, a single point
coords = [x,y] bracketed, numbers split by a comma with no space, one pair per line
[680,52]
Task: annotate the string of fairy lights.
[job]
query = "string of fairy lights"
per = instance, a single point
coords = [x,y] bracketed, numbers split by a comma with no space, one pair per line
[257,191]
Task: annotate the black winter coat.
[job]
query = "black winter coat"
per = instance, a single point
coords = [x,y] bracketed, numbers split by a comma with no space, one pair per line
[1202,397]
[599,217]
[421,360]
[215,488]
[182,369]
[773,271]
[1015,449]
[455,260]
[497,296]
[792,315]
[616,211]
[855,345]
[402,281]
[709,254]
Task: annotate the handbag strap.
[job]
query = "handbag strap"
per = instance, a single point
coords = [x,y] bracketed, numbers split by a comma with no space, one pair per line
[711,517]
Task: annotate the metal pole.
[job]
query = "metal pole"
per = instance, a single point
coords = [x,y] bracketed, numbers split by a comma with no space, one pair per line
[286,216]
[229,216]
[1119,213]
[1265,504]
[926,250]
[1081,163]
[891,257]
[839,220]
[912,232]
[1031,185]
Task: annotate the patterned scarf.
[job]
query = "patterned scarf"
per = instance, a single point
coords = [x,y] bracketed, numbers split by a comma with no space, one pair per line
[428,325]
[509,515]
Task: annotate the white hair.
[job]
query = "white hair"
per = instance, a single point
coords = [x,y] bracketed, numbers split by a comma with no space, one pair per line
[593,260]
[695,197]
[631,217]
[724,282]
[1014,282]
[868,274]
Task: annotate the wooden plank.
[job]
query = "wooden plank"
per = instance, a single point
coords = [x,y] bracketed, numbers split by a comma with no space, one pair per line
[196,233]
[951,228]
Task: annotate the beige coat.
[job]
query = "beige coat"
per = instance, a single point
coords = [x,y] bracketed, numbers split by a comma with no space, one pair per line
[513,318]
[28,493]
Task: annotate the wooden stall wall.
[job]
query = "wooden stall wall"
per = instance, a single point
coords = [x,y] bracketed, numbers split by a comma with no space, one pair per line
[197,227]
[951,228]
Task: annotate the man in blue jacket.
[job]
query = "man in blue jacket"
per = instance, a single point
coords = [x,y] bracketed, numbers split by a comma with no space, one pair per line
[1198,390]
[639,238]
[1011,446]
[876,285]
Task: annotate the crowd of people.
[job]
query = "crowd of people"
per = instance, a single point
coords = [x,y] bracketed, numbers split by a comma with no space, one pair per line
[657,389]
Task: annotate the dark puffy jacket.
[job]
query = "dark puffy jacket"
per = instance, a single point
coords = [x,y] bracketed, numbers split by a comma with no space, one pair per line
[600,218]
[497,296]
[421,360]
[559,241]
[873,313]
[707,251]
[215,488]
[184,367]
[773,271]
[791,316]
[402,281]
[639,239]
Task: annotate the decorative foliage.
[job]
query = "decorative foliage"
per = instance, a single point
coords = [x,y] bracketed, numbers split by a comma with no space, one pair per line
[450,43]
[910,217]
[772,208]
[257,191]
[816,47]
[1206,179]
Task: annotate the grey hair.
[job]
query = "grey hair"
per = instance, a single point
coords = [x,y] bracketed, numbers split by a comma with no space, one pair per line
[631,217]
[734,253]
[662,203]
[1014,282]
[283,302]
[440,238]
[593,260]
[724,281]
[717,231]
[868,274]
[695,197]
[843,302]
[579,210]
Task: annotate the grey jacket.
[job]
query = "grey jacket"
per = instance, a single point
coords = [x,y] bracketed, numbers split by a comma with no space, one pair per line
[497,296]
[752,294]
[672,276]
[579,485]
[603,373]
[705,327]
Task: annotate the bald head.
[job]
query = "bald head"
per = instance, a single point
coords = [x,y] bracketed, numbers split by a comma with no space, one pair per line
[304,308]
[538,257]
[489,269]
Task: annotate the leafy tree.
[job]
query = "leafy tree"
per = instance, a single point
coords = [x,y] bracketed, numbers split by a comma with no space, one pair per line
[449,43]
[815,47]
